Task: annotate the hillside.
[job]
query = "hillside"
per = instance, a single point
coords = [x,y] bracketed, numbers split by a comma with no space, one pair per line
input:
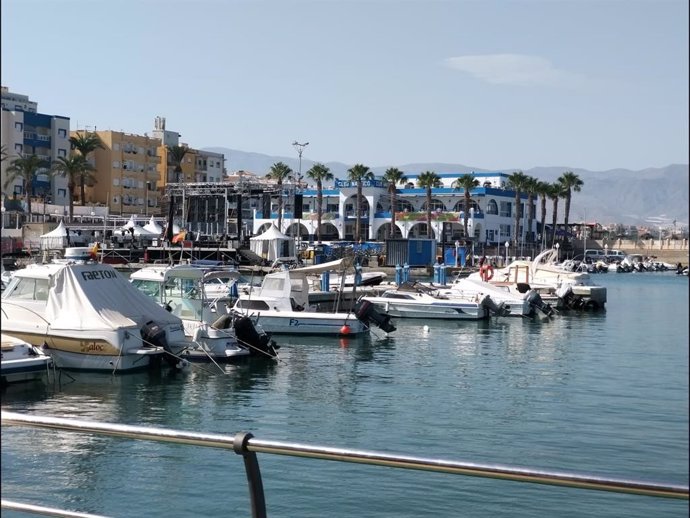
[614,196]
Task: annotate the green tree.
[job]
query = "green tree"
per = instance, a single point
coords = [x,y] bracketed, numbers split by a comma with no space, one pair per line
[393,177]
[278,173]
[176,155]
[466,182]
[25,168]
[358,173]
[319,173]
[518,182]
[76,169]
[85,143]
[3,153]
[428,180]
[570,182]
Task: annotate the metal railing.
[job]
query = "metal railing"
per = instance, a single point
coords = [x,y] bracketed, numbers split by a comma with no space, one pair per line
[246,445]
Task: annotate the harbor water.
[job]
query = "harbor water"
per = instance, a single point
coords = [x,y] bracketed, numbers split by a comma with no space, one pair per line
[604,394]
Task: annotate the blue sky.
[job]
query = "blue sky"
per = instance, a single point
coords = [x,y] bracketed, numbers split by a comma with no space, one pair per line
[489,84]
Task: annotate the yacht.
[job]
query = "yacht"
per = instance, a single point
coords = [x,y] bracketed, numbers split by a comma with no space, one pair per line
[21,361]
[88,317]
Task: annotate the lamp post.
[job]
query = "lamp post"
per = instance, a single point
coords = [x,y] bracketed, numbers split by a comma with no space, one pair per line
[300,149]
[507,244]
[558,257]
[3,216]
[606,250]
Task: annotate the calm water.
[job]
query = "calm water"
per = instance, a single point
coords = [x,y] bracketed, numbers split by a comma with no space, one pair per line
[605,394]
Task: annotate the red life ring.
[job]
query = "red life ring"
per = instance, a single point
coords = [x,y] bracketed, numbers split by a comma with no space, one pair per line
[486,272]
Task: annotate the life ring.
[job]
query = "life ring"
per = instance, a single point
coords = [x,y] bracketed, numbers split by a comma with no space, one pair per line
[486,272]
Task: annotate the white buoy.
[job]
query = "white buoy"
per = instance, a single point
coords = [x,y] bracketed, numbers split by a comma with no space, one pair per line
[426,329]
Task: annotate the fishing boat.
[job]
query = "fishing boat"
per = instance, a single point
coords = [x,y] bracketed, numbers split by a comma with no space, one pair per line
[89,317]
[415,300]
[216,332]
[281,306]
[21,361]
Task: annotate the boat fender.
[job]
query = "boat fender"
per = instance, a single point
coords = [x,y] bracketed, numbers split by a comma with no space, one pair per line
[223,322]
[486,272]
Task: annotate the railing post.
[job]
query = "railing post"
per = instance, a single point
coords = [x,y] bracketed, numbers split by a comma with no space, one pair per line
[251,467]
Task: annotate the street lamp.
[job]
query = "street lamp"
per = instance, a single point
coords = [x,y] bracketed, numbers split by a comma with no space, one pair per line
[3,216]
[300,149]
[558,257]
[507,244]
[606,250]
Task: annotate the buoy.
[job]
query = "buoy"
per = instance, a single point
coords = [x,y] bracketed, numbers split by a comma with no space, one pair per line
[426,329]
[345,330]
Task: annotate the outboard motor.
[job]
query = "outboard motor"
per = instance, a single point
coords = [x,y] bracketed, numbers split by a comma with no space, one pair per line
[250,338]
[153,335]
[366,312]
[535,300]
[500,310]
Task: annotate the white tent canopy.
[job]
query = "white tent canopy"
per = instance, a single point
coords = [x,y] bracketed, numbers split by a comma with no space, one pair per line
[153,227]
[57,239]
[139,231]
[272,244]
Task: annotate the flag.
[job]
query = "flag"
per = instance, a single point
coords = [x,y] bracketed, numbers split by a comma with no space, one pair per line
[93,253]
[180,236]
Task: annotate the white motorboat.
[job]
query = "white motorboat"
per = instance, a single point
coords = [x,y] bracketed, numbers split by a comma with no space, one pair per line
[22,361]
[571,289]
[88,317]
[518,304]
[189,293]
[414,300]
[281,306]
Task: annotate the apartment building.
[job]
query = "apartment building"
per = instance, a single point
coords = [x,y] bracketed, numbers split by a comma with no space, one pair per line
[27,132]
[126,177]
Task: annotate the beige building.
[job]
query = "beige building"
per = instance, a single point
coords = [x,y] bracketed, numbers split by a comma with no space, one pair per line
[127,176]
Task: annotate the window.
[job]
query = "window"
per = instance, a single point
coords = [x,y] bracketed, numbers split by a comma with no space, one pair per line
[30,289]
[62,152]
[116,181]
[62,132]
[18,148]
[62,192]
[116,199]
[116,146]
[492,207]
[19,126]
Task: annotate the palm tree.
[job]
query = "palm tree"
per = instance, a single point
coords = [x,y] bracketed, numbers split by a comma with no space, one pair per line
[427,180]
[531,187]
[175,157]
[466,182]
[4,155]
[25,168]
[279,172]
[358,173]
[518,182]
[85,143]
[542,189]
[76,169]
[319,173]
[570,182]
[394,176]
[555,193]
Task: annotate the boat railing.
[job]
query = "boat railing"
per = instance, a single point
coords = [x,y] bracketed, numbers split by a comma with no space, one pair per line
[247,446]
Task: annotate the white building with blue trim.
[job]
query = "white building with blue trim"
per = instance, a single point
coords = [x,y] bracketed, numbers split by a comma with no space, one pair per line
[491,218]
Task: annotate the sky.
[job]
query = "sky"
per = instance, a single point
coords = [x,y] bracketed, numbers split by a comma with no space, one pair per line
[494,84]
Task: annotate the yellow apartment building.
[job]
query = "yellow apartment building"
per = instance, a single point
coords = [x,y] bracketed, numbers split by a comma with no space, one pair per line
[127,174]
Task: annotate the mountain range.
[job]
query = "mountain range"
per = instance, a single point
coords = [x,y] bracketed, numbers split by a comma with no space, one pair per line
[652,197]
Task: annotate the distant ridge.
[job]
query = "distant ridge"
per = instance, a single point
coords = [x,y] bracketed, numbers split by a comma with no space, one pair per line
[613,196]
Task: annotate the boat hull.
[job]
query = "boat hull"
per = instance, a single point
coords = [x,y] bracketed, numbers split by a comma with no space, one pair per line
[304,323]
[91,353]
[434,311]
